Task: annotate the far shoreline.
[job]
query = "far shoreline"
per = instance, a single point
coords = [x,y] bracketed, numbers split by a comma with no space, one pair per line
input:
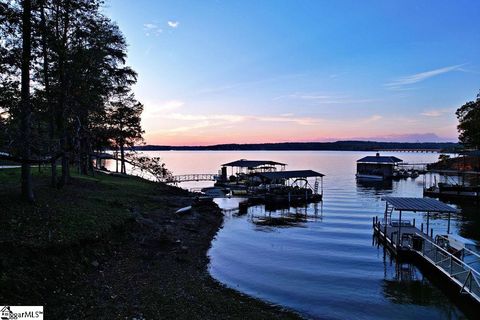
[366,146]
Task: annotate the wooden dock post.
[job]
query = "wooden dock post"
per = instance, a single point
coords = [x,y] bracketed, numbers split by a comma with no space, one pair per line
[421,227]
[428,221]
[431,233]
[448,226]
[385,221]
[399,226]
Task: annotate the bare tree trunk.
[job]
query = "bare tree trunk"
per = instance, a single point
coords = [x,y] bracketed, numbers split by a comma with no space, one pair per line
[65,159]
[26,109]
[51,106]
[122,159]
[116,160]
[90,159]
[62,125]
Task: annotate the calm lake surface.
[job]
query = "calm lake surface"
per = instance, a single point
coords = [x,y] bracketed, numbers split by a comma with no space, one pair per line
[328,267]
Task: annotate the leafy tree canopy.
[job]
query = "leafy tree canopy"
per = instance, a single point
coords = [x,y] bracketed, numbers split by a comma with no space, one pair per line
[469,123]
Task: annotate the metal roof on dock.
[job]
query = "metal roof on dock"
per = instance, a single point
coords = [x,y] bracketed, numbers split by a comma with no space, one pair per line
[380,159]
[419,204]
[243,163]
[290,174]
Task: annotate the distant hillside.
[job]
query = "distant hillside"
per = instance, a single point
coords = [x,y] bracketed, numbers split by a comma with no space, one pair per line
[331,146]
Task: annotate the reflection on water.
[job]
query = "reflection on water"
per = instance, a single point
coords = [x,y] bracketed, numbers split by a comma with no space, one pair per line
[379,187]
[408,286]
[326,266]
[287,217]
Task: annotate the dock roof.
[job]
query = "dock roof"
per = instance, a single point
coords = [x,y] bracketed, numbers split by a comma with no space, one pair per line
[243,163]
[419,204]
[290,174]
[380,159]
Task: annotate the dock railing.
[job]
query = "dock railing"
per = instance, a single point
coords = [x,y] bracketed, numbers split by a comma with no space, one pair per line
[465,252]
[464,275]
[192,177]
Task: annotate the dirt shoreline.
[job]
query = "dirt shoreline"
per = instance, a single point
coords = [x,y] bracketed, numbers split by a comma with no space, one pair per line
[154,266]
[172,281]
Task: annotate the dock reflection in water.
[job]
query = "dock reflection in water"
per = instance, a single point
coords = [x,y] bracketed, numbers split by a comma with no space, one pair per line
[408,286]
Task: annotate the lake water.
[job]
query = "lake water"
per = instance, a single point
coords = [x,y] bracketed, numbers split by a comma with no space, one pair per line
[328,267]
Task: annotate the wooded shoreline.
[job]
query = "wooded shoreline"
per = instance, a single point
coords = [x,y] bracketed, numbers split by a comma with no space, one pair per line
[313,146]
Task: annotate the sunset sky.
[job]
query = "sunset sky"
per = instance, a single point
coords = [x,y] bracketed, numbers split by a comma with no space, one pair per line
[271,71]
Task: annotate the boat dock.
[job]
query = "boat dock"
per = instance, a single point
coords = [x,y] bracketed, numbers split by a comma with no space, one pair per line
[443,260]
[453,185]
[260,182]
[267,182]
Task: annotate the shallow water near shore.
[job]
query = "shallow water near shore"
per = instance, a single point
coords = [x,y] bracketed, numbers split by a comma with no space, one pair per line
[329,266]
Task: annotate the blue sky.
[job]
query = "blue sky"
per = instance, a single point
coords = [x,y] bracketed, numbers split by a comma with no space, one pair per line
[264,71]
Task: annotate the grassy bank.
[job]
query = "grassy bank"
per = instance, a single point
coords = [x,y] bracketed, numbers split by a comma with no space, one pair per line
[111,247]
[84,210]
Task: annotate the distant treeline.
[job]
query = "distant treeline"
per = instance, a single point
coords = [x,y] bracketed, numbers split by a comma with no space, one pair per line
[327,146]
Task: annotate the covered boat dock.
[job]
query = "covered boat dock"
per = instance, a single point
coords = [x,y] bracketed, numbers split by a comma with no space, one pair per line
[255,165]
[377,167]
[292,177]
[291,186]
[243,167]
[405,240]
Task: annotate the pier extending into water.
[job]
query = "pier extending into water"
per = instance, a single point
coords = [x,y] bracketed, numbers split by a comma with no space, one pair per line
[411,150]
[192,177]
[444,260]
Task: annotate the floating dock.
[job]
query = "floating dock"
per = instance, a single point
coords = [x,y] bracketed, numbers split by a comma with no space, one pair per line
[403,239]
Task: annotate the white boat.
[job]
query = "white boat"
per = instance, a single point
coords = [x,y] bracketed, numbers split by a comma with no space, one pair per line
[214,192]
[464,249]
[458,243]
[184,209]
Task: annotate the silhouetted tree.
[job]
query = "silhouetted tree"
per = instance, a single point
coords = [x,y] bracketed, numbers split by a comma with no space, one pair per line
[26,110]
[64,85]
[153,167]
[124,117]
[469,123]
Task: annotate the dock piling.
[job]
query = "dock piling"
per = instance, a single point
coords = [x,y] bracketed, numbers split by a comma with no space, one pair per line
[448,226]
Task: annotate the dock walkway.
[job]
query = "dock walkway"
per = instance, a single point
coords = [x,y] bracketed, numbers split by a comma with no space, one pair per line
[192,177]
[412,242]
